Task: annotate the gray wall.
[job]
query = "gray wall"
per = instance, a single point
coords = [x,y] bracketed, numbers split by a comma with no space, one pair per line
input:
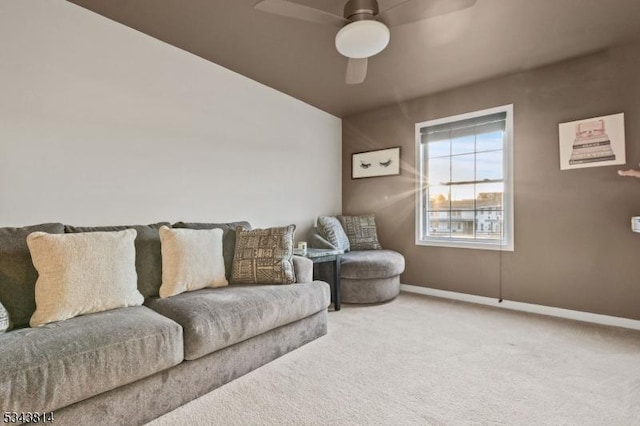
[573,245]
[101,124]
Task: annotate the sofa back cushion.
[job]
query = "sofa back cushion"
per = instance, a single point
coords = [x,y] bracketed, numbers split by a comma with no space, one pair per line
[17,274]
[148,256]
[228,238]
[83,273]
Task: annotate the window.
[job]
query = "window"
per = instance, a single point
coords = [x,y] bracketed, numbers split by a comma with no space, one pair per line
[465,180]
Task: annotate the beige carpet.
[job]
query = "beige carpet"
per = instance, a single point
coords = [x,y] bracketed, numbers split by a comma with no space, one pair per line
[421,361]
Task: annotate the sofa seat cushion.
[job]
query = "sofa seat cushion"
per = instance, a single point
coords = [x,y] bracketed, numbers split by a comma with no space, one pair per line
[61,363]
[365,264]
[214,318]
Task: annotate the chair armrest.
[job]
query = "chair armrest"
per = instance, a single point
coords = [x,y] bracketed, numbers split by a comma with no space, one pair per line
[303,268]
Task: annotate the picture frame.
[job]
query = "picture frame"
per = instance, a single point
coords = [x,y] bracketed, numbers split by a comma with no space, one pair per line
[381,162]
[592,142]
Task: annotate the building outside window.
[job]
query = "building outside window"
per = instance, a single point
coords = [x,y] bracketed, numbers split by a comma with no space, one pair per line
[465,180]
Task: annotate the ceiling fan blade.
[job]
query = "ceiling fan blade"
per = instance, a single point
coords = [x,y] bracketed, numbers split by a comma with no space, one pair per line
[298,11]
[416,10]
[356,70]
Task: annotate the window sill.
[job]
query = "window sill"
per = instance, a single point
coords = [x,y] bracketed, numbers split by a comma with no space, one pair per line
[478,245]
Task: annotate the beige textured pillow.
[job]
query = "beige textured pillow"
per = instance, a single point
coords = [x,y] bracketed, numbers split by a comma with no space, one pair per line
[4,319]
[191,259]
[83,273]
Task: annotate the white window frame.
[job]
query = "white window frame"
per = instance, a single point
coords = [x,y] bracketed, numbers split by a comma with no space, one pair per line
[507,243]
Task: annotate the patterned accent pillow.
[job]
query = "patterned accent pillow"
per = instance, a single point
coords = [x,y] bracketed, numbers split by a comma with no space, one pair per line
[4,319]
[331,230]
[361,231]
[263,256]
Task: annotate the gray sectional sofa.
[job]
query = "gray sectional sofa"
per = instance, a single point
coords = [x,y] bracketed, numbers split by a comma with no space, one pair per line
[131,365]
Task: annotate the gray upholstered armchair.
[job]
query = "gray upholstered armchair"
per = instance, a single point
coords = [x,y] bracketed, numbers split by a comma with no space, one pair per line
[368,274]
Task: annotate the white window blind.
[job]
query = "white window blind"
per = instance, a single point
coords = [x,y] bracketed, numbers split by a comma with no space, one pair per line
[465,180]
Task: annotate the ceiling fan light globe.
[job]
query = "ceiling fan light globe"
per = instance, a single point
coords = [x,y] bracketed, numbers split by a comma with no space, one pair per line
[362,39]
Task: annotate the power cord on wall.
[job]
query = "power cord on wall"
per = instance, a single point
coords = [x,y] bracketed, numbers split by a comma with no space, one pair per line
[500,262]
[500,278]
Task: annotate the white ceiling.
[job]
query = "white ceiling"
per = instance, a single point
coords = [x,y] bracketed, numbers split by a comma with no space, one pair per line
[492,38]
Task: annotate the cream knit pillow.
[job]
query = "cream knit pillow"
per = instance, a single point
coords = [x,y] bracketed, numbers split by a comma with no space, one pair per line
[191,259]
[4,319]
[83,273]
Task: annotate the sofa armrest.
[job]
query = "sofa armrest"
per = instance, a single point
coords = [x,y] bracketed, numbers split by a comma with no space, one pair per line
[303,269]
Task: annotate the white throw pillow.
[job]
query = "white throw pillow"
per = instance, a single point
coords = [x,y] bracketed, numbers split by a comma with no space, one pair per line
[191,259]
[83,273]
[4,319]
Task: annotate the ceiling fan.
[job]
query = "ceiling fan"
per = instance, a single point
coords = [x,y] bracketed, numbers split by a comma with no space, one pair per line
[364,30]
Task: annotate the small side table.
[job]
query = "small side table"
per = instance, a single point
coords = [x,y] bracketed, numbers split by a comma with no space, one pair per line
[333,256]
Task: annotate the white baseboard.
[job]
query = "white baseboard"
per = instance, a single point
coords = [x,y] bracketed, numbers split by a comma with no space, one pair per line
[526,307]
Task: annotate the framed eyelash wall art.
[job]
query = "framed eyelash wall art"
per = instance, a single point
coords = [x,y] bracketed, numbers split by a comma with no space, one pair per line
[382,162]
